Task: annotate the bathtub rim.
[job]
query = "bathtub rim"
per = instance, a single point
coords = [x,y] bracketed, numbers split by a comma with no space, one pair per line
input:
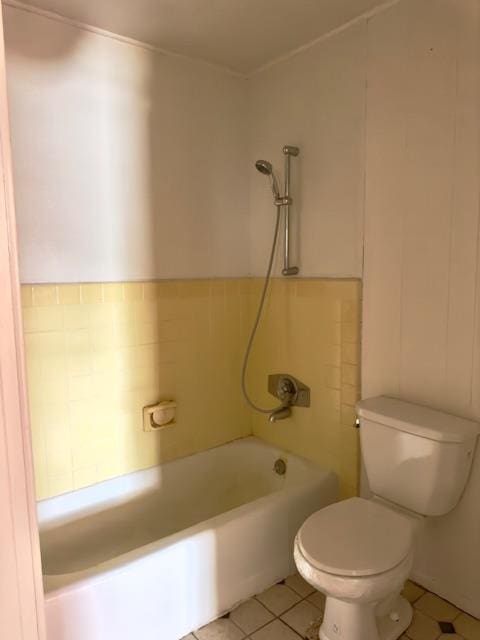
[46,521]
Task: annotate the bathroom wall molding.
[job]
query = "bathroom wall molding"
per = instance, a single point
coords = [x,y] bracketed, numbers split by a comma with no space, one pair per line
[51,15]
[326,36]
[21,607]
[144,45]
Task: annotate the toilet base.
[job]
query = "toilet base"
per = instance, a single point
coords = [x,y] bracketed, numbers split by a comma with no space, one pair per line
[350,621]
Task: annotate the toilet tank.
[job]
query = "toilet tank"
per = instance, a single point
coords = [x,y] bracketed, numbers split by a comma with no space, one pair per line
[414,456]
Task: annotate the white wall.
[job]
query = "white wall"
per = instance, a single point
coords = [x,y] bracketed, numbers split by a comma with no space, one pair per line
[315,100]
[421,281]
[131,165]
[128,164]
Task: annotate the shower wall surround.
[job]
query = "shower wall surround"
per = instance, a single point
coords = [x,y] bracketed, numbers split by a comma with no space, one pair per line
[311,329]
[97,353]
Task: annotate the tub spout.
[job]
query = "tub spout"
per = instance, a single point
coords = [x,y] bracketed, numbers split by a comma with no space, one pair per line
[280,414]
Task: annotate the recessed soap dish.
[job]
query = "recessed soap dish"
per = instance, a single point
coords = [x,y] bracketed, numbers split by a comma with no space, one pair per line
[159,415]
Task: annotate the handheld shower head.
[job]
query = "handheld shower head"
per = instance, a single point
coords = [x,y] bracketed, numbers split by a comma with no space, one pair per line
[266,168]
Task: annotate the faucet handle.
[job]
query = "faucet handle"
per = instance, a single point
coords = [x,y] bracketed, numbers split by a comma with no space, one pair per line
[289,390]
[286,390]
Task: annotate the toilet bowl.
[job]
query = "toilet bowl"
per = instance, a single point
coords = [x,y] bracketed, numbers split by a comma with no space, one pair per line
[359,554]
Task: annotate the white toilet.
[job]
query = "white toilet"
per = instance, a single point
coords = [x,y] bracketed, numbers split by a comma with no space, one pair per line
[359,552]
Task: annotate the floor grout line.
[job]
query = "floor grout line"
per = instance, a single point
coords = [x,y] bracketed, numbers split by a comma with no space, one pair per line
[304,598]
[278,617]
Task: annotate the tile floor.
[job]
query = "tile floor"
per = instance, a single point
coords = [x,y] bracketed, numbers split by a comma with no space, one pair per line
[291,610]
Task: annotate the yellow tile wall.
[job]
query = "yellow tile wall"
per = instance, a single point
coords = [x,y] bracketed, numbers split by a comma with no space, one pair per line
[97,353]
[311,329]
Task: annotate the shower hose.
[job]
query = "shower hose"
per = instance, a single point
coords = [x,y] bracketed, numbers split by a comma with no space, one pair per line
[253,333]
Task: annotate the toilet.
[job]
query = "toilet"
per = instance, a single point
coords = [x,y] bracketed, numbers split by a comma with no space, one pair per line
[359,552]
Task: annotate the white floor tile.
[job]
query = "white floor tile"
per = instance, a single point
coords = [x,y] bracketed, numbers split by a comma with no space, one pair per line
[276,630]
[222,629]
[436,607]
[292,612]
[423,627]
[251,615]
[279,598]
[412,591]
[302,616]
[467,626]
[298,584]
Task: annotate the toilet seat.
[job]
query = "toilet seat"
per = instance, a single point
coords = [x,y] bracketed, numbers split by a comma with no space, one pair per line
[355,537]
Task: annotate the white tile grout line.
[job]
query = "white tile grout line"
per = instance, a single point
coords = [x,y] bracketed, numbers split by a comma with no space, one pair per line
[286,610]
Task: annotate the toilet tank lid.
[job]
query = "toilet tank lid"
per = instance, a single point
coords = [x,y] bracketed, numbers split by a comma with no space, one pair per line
[417,419]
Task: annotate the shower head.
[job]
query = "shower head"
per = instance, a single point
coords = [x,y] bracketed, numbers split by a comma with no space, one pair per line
[266,168]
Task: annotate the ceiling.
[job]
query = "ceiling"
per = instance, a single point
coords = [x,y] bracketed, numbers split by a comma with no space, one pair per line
[242,35]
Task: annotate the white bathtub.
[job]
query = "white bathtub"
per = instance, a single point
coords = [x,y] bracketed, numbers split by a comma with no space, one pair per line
[161,552]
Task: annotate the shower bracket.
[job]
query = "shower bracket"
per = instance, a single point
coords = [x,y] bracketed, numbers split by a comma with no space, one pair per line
[289,151]
[283,201]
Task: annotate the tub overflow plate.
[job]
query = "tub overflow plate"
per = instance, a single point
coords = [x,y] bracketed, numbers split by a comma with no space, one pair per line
[280,467]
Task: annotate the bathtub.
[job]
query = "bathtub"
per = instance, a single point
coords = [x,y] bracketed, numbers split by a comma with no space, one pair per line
[158,553]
